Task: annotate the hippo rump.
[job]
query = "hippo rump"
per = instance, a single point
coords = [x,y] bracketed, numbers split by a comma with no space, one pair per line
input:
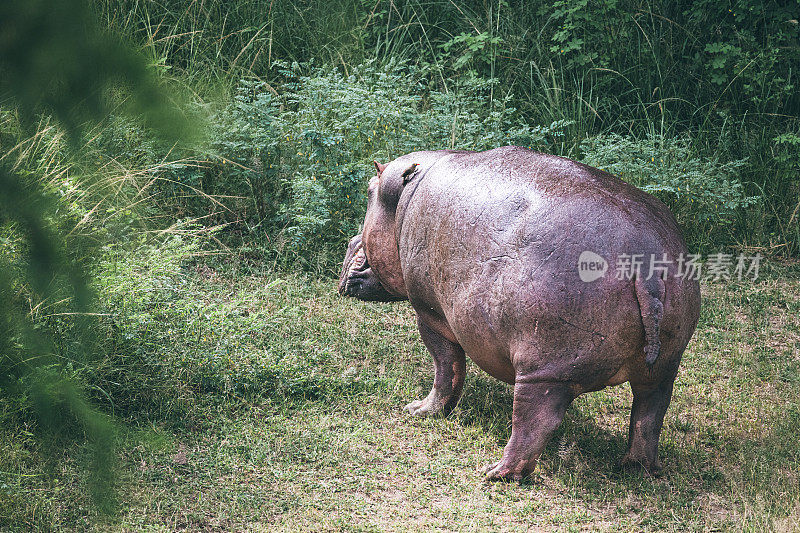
[495,250]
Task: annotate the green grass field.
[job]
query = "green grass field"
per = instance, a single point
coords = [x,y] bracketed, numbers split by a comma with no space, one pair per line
[282,410]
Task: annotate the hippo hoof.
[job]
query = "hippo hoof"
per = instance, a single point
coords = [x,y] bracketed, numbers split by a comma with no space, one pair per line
[423,407]
[503,471]
[435,402]
[629,464]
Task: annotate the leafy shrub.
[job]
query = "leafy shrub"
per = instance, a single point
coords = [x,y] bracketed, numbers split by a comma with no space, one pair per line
[293,163]
[705,195]
[707,68]
[585,31]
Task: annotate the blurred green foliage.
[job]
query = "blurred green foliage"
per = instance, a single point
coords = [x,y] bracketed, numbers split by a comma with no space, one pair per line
[56,61]
[704,194]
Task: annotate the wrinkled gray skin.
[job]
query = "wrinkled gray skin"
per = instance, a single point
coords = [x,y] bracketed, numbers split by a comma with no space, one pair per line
[485,247]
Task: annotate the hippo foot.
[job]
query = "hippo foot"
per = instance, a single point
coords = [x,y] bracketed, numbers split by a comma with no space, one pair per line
[433,404]
[509,470]
[649,469]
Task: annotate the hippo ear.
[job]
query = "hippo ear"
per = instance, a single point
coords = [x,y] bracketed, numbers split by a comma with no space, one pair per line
[380,168]
[409,173]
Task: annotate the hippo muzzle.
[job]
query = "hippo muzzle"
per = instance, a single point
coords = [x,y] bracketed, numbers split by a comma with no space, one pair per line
[358,279]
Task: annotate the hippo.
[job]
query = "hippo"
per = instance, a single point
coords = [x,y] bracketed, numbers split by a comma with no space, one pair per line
[552,276]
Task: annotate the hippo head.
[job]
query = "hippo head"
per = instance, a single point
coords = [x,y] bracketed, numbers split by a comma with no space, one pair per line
[371,268]
[358,279]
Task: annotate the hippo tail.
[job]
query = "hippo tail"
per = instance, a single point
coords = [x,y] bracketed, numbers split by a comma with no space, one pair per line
[650,294]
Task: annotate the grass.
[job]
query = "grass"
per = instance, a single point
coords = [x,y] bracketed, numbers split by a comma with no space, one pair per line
[299,426]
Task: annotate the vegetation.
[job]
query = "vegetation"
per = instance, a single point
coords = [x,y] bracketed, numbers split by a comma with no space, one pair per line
[323,88]
[178,181]
[252,400]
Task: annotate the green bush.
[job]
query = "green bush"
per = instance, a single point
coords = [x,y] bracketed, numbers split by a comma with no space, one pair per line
[723,73]
[705,195]
[292,163]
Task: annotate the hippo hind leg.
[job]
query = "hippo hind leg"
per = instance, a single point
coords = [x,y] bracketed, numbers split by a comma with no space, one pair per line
[450,369]
[538,410]
[650,404]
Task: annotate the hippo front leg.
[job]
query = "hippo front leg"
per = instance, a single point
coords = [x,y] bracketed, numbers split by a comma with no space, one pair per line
[449,367]
[538,411]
